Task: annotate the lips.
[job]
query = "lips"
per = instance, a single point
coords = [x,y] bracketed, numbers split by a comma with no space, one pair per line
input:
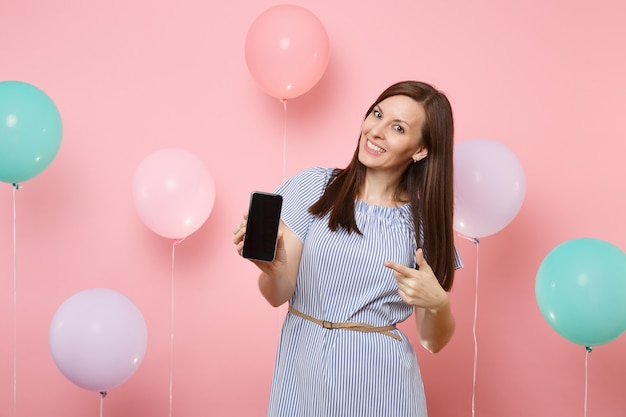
[373,147]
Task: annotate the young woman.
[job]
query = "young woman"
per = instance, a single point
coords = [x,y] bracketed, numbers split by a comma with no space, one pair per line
[360,249]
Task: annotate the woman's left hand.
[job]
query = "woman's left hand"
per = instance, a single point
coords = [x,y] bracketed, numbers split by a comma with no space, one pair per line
[419,287]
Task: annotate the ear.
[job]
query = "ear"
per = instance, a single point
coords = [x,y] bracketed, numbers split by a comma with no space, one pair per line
[420,154]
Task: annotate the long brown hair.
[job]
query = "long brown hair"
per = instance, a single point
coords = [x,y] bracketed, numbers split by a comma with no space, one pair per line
[428,182]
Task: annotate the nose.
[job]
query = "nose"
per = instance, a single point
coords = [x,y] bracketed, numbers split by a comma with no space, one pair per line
[377,130]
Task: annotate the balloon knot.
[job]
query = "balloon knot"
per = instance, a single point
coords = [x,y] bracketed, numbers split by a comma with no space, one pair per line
[16,186]
[472,239]
[103,394]
[178,241]
[588,349]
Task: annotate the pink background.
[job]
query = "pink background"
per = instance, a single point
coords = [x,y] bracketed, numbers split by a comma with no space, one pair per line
[546,78]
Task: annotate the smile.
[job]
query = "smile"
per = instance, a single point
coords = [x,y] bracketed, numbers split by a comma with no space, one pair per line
[374,147]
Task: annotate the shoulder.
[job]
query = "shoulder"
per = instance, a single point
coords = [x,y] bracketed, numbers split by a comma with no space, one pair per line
[306,186]
[314,173]
[299,192]
[314,178]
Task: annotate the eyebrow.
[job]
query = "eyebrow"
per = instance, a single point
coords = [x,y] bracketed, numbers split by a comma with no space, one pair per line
[377,107]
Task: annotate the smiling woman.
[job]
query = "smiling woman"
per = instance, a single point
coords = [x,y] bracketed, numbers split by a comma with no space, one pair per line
[357,254]
[391,132]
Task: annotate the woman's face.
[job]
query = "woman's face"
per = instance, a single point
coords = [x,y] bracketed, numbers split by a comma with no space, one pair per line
[391,134]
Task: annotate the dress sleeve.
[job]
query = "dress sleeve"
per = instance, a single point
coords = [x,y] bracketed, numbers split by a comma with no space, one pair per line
[300,192]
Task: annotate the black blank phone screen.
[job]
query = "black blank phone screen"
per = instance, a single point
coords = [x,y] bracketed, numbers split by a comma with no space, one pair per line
[262,228]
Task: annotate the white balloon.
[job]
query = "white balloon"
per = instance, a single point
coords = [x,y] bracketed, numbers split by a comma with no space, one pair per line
[489,187]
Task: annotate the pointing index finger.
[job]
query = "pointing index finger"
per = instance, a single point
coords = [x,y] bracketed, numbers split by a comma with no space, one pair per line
[402,269]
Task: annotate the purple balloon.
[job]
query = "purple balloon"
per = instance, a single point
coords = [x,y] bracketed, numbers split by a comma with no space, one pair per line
[98,338]
[489,187]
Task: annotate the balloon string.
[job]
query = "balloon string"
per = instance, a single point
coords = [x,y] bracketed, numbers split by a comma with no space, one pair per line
[477,244]
[102,395]
[284,101]
[474,333]
[586,377]
[15,188]
[176,243]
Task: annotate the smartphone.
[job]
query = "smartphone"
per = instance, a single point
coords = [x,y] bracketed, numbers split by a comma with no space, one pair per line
[262,229]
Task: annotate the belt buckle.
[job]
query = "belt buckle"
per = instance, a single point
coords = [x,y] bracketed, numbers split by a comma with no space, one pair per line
[327,324]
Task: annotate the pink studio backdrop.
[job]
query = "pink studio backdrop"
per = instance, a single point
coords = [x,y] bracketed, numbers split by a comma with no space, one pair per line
[129,78]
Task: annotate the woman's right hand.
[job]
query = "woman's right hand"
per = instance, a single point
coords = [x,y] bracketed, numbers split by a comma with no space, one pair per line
[271,268]
[239,233]
[277,281]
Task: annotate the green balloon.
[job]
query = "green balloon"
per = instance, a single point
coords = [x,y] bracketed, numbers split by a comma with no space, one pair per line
[581,291]
[30,131]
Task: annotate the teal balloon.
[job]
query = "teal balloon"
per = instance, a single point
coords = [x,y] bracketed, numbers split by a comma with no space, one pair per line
[581,291]
[30,131]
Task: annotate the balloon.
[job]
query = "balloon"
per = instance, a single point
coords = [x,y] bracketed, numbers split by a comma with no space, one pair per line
[30,131]
[98,339]
[489,187]
[287,51]
[173,192]
[581,291]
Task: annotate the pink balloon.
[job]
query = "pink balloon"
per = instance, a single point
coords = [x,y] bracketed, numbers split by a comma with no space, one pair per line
[287,51]
[489,187]
[98,339]
[173,192]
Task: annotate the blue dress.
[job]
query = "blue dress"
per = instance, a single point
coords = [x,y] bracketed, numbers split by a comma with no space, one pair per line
[338,372]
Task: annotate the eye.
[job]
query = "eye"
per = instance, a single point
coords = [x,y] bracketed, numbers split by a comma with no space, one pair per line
[398,128]
[377,114]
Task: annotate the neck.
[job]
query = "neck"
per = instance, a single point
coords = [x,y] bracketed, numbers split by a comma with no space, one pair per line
[380,190]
